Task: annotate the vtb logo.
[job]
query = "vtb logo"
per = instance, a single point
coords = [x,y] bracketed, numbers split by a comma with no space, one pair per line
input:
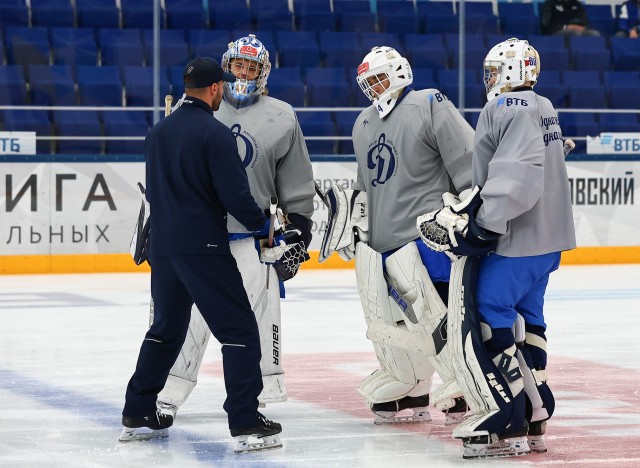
[381,156]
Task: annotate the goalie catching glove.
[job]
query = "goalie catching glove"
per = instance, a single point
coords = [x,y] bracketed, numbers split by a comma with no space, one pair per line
[289,248]
[453,229]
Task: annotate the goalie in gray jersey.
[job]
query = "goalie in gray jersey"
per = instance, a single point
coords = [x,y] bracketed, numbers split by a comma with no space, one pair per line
[411,146]
[271,145]
[522,211]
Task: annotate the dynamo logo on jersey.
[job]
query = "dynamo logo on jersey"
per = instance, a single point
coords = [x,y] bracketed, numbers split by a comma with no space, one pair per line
[243,142]
[381,157]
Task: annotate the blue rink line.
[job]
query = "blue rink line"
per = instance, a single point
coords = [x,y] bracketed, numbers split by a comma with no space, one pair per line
[65,400]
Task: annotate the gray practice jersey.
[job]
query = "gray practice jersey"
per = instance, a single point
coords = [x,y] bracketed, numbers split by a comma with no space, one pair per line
[274,155]
[518,160]
[407,161]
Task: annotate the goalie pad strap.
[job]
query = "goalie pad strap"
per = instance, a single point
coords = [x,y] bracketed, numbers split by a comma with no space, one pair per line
[347,220]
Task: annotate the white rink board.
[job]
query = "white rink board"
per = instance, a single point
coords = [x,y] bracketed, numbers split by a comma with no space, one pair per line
[89,208]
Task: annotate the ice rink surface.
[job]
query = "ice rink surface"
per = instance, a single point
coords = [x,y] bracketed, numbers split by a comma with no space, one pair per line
[69,344]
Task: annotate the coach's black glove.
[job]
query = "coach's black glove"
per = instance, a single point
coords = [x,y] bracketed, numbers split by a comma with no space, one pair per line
[475,242]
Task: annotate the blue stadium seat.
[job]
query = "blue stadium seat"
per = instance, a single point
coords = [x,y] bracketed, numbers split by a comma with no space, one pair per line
[587,96]
[177,82]
[344,124]
[328,87]
[121,47]
[74,46]
[52,13]
[27,46]
[128,124]
[601,19]
[586,43]
[369,40]
[137,14]
[341,49]
[619,123]
[474,94]
[314,15]
[77,123]
[286,84]
[473,56]
[14,14]
[271,15]
[229,14]
[298,49]
[520,25]
[592,59]
[480,18]
[553,52]
[13,85]
[208,43]
[99,86]
[582,124]
[423,78]
[2,55]
[318,124]
[555,92]
[426,50]
[185,14]
[398,17]
[138,84]
[51,85]
[97,14]
[580,78]
[354,16]
[174,49]
[626,54]
[437,17]
[625,96]
[30,120]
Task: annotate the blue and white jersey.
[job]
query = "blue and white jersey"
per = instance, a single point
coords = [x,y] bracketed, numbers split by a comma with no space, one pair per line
[407,160]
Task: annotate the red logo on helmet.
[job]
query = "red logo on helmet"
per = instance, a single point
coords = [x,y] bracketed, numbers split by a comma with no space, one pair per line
[364,67]
[248,50]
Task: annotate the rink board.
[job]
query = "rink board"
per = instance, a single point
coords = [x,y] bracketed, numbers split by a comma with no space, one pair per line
[73,215]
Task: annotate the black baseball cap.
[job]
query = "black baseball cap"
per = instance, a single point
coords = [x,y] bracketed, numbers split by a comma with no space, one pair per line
[204,71]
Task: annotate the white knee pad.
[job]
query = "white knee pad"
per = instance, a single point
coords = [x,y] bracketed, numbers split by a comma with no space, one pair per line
[403,372]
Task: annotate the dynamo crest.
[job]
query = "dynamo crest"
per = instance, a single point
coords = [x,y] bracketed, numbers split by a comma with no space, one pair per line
[381,156]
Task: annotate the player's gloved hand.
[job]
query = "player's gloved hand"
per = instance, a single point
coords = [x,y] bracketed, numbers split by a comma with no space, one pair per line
[287,253]
[349,252]
[453,229]
[263,233]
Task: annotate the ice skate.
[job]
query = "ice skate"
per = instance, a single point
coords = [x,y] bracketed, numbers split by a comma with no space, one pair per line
[167,408]
[388,412]
[262,436]
[491,447]
[456,413]
[535,437]
[154,426]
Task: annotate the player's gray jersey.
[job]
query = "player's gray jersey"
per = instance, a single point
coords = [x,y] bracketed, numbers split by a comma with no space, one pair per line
[274,155]
[518,160]
[407,161]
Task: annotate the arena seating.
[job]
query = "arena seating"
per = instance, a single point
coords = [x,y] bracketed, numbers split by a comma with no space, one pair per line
[100,53]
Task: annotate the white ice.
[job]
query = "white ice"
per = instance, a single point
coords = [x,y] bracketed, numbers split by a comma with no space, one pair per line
[69,343]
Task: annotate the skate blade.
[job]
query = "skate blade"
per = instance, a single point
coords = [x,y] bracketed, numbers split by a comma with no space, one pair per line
[515,447]
[248,444]
[142,433]
[420,415]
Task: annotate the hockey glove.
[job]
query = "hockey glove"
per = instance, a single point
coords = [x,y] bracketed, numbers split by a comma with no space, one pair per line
[277,228]
[287,253]
[453,229]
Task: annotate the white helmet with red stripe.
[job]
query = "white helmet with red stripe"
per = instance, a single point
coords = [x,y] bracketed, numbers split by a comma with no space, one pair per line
[384,68]
[248,59]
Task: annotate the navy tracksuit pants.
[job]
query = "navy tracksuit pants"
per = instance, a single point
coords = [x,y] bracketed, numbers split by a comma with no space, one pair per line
[214,284]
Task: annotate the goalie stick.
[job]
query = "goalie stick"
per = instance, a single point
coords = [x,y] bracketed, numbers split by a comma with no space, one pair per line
[273,209]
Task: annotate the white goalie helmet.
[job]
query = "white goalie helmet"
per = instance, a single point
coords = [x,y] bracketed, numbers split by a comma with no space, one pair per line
[382,76]
[248,59]
[508,65]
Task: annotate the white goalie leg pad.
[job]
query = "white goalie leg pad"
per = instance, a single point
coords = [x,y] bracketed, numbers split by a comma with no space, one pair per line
[347,221]
[425,314]
[403,373]
[184,373]
[265,303]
